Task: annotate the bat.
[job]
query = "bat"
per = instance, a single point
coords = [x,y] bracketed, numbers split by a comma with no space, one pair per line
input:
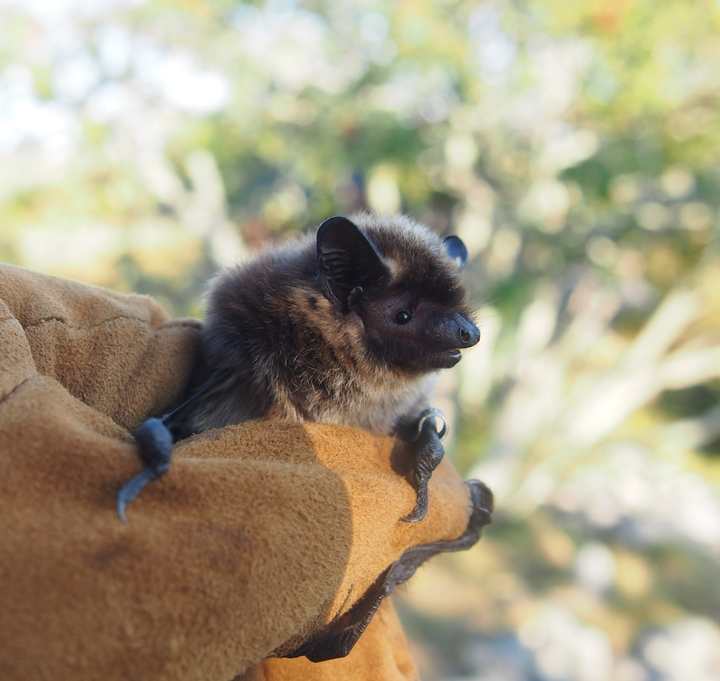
[349,325]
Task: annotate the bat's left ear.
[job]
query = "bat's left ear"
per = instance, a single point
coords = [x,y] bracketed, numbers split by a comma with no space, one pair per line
[349,264]
[456,250]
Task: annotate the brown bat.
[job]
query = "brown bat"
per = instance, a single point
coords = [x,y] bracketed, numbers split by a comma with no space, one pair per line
[346,326]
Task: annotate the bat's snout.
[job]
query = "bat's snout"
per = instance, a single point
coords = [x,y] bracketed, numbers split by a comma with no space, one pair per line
[455,331]
[451,335]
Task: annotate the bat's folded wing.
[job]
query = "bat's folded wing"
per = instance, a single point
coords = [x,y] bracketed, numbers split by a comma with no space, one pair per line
[263,540]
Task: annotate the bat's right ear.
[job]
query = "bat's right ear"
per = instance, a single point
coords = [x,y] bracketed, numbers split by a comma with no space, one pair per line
[348,261]
[456,249]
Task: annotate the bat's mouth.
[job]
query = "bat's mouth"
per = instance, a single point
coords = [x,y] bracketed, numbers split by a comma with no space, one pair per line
[446,359]
[454,356]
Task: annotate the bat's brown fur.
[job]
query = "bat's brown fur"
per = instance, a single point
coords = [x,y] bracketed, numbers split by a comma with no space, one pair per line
[291,351]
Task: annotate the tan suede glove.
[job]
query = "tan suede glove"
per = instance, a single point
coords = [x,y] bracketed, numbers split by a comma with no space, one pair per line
[258,542]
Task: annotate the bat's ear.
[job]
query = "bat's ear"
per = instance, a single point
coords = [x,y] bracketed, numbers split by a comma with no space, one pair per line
[456,250]
[349,263]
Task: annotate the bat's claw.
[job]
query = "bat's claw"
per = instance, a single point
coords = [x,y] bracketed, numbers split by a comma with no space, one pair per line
[418,514]
[421,505]
[155,449]
[429,452]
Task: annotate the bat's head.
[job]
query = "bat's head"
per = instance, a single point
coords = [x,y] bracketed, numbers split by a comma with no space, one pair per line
[403,282]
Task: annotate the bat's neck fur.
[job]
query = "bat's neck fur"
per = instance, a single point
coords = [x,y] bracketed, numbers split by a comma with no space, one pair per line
[292,354]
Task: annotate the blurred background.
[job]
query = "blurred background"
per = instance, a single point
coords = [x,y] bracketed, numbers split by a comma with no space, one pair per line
[574,146]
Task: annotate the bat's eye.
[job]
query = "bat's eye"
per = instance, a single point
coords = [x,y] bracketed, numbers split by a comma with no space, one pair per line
[402,317]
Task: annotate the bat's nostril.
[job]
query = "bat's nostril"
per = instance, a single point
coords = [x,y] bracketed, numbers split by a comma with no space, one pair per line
[464,335]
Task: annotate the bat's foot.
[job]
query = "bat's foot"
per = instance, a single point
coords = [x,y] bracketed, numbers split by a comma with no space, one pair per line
[429,452]
[155,445]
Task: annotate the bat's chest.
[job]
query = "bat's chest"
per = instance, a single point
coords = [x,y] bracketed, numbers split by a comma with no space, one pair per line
[377,409]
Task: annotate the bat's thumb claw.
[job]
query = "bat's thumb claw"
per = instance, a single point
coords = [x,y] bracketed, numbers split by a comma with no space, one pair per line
[121,510]
[131,489]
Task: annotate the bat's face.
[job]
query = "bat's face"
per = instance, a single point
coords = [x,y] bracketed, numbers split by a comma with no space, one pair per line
[409,331]
[406,290]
